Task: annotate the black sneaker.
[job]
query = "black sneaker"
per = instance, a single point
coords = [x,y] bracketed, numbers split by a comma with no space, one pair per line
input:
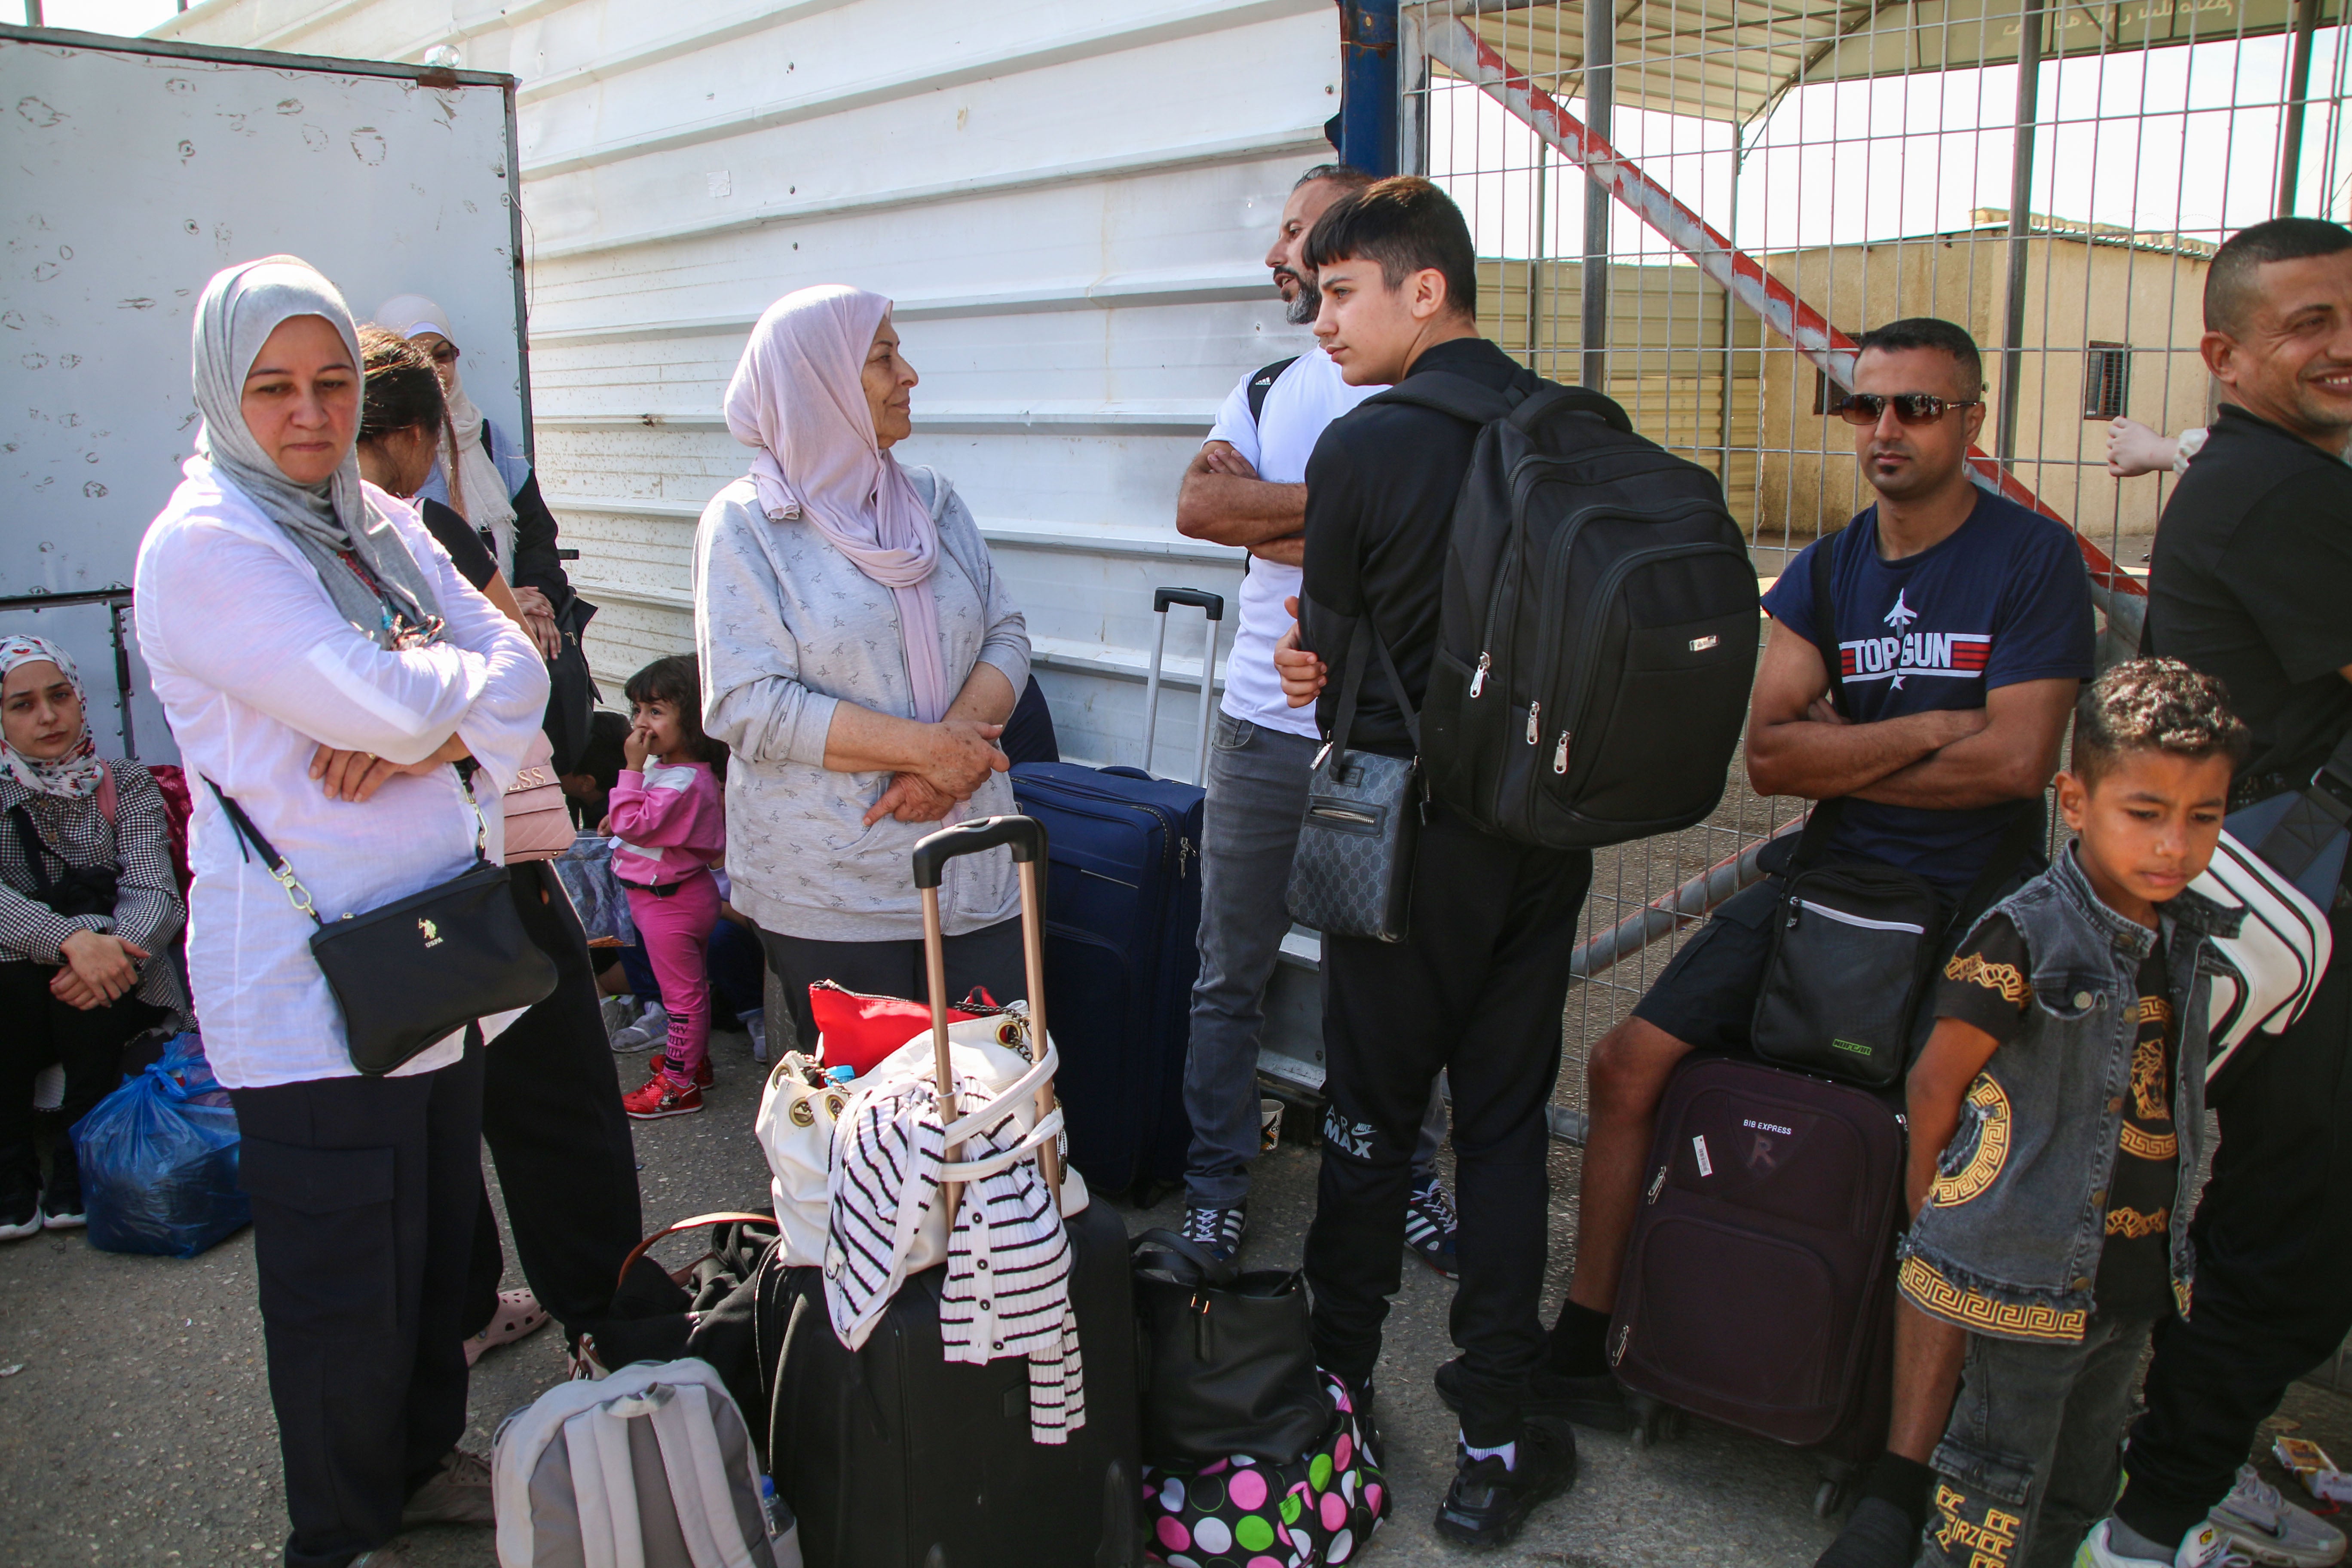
[20,1209]
[1878,1535]
[62,1203]
[1489,1501]
[1595,1402]
[1430,1225]
[1218,1230]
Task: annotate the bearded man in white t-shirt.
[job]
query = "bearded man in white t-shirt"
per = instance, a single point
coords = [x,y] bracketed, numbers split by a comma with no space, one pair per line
[1246,489]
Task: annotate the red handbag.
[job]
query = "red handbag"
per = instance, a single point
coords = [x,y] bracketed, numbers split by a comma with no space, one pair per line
[857,1031]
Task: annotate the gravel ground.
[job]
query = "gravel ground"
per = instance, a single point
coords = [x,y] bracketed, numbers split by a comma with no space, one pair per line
[135,1421]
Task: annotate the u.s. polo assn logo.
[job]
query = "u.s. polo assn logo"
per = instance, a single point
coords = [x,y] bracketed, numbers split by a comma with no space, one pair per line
[1959,656]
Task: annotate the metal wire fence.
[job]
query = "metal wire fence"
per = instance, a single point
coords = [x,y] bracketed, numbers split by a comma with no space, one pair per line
[1694,206]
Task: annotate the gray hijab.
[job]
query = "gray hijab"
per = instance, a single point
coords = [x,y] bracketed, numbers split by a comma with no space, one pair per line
[241,306]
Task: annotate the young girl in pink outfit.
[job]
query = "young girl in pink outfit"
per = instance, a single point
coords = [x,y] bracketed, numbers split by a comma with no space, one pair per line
[669,822]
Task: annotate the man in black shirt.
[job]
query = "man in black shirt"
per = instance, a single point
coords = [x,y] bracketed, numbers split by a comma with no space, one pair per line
[1478,987]
[2253,582]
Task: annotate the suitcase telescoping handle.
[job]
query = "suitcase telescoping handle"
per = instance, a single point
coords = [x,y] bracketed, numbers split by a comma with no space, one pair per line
[1214,606]
[1026,837]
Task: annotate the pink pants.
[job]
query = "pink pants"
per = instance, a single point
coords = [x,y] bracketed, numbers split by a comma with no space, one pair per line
[676,929]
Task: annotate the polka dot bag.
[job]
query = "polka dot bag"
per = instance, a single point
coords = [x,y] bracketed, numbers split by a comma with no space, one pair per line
[1319,1509]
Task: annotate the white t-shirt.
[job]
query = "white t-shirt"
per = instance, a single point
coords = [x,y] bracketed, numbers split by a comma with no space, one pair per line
[1308,397]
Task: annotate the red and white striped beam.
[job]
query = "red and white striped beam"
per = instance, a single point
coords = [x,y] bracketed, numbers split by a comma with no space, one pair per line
[1453,44]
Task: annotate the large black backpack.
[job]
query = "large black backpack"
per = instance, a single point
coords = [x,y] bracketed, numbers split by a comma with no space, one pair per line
[1598,628]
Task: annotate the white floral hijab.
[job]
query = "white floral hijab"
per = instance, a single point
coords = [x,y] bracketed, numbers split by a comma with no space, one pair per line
[76,774]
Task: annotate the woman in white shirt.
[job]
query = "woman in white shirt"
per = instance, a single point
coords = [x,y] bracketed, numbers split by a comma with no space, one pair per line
[323,664]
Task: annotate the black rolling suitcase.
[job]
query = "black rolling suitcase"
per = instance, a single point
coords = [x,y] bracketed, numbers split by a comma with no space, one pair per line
[891,1457]
[1760,1283]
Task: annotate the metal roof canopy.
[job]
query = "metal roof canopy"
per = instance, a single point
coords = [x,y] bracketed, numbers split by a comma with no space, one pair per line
[1734,60]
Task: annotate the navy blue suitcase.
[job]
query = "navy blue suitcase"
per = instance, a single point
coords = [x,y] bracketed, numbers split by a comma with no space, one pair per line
[1122,928]
[1122,920]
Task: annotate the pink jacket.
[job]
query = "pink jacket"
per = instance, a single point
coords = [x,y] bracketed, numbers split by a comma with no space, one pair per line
[668,822]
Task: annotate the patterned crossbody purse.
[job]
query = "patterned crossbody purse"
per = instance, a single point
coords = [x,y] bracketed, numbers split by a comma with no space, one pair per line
[1352,875]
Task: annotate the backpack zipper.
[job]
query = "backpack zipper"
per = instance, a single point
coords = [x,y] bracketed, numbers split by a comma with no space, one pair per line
[1535,723]
[1586,649]
[1478,677]
[1559,756]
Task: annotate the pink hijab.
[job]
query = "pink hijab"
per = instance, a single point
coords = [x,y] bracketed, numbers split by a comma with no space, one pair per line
[799,400]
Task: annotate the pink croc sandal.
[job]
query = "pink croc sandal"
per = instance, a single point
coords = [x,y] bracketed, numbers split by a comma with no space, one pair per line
[519,1314]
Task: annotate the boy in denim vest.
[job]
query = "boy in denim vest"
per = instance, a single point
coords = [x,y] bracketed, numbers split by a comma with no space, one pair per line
[2055,1118]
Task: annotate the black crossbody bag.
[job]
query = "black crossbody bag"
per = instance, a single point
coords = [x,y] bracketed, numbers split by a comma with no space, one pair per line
[81,890]
[422,967]
[1854,945]
[1352,874]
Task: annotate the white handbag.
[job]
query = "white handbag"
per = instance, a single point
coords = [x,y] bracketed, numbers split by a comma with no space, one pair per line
[2279,954]
[798,1110]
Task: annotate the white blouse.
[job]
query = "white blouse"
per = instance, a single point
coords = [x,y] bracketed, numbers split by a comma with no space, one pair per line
[256,669]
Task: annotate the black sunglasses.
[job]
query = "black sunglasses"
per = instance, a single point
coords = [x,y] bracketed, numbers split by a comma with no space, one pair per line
[1910,407]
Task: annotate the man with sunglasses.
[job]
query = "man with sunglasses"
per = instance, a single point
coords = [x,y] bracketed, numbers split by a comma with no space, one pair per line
[1963,623]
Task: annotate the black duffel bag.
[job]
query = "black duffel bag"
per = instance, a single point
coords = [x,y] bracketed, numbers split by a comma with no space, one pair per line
[1228,1367]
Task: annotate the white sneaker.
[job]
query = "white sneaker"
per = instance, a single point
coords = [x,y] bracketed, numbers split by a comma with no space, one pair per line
[2206,1547]
[619,1013]
[2268,1527]
[756,1024]
[648,1031]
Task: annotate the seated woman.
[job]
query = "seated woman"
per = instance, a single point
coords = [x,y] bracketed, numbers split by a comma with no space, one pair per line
[860,655]
[88,905]
[551,1106]
[324,666]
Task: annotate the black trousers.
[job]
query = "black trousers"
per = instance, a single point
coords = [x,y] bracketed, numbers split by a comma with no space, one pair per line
[37,1029]
[1476,990]
[2273,1289]
[552,1115]
[364,1192]
[989,957]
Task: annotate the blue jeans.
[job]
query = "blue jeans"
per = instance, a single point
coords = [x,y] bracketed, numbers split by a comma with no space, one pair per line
[1257,794]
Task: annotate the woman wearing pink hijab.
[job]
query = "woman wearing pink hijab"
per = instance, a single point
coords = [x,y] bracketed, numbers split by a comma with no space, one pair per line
[859,656]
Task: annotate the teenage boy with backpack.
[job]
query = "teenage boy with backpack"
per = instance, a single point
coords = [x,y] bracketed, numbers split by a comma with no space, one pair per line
[1963,625]
[1477,987]
[1246,487]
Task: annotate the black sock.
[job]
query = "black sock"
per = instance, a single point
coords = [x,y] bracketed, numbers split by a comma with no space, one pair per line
[1903,1483]
[1580,1341]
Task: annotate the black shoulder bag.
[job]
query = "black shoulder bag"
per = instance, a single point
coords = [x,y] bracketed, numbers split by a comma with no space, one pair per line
[81,890]
[1228,1367]
[1854,945]
[1352,874]
[422,967]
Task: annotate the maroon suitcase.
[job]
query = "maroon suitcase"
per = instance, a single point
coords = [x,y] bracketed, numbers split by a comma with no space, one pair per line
[1758,1287]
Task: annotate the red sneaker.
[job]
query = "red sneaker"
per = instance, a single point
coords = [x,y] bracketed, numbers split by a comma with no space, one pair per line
[705,1075]
[659,1098]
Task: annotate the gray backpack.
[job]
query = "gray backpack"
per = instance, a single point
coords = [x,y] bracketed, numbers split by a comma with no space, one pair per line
[650,1467]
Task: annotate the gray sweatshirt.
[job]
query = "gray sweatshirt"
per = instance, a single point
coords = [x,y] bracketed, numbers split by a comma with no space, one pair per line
[788,628]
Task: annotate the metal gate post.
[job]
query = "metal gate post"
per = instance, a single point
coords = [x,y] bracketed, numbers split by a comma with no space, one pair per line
[2306,20]
[1368,85]
[1600,98]
[2021,224]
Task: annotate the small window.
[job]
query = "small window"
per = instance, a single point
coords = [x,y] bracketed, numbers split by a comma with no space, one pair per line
[1828,395]
[2106,380]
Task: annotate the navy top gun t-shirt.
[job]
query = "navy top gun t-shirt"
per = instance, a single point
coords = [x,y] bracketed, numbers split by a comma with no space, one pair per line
[2004,599]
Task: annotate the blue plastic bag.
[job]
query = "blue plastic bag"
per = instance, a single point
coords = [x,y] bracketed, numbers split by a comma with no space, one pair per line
[159,1159]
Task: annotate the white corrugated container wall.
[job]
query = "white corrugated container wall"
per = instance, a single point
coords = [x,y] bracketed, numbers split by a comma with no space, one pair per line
[1069,202]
